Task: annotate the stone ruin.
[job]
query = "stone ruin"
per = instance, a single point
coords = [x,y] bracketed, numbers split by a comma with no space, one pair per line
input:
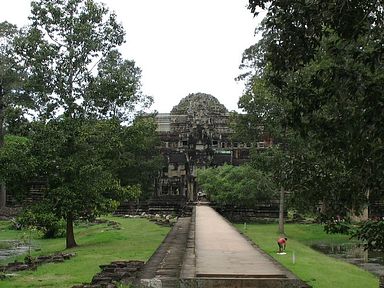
[116,272]
[196,134]
[31,263]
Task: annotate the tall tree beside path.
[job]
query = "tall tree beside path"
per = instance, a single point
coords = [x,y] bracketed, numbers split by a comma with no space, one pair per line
[325,60]
[82,169]
[115,92]
[68,48]
[6,80]
[64,43]
[12,98]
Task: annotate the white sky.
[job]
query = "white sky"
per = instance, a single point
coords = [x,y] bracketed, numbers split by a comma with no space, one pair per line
[182,46]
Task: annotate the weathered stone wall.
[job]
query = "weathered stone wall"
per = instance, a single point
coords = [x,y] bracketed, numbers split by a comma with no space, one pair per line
[260,212]
[196,134]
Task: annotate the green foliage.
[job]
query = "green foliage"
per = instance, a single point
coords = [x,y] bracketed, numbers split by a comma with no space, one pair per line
[82,170]
[371,233]
[265,113]
[336,224]
[64,40]
[11,99]
[104,164]
[42,218]
[11,73]
[115,91]
[16,164]
[81,147]
[140,159]
[16,122]
[236,185]
[321,61]
[16,152]
[14,100]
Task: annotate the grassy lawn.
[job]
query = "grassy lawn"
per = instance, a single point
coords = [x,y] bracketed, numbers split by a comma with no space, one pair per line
[315,268]
[98,244]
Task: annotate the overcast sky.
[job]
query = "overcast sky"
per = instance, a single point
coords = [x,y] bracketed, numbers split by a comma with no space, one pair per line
[182,46]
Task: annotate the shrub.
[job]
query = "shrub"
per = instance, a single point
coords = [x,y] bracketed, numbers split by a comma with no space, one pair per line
[371,233]
[43,219]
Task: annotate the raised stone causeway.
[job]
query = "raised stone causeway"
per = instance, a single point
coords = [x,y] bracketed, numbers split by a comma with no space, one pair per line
[207,251]
[225,258]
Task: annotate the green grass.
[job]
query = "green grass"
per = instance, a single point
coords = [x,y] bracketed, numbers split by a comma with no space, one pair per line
[315,268]
[98,244]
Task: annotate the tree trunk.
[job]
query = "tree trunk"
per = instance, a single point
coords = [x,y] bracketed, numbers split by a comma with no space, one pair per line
[281,212]
[70,240]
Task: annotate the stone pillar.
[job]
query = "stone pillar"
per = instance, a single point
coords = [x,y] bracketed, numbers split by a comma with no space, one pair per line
[381,283]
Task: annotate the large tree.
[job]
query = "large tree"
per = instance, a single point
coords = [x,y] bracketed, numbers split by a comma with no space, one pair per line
[141,160]
[82,170]
[12,97]
[324,59]
[81,87]
[64,43]
[115,92]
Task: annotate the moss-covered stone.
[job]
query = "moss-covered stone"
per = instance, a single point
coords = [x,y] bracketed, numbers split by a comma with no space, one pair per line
[199,102]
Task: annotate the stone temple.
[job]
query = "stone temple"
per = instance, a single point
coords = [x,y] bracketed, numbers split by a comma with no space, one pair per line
[196,134]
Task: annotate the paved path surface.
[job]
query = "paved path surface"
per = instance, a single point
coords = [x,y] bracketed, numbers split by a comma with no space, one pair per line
[206,251]
[221,251]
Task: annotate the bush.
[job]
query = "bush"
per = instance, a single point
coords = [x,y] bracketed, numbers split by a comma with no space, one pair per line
[334,225]
[243,185]
[41,217]
[371,233]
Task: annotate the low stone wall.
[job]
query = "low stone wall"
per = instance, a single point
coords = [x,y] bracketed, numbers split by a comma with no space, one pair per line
[238,214]
[7,213]
[32,263]
[111,274]
[162,220]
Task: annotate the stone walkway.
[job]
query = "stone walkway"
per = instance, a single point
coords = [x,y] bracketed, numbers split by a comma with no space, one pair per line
[226,258]
[222,251]
[206,251]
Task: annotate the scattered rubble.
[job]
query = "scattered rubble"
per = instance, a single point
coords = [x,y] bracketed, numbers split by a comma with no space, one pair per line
[118,271]
[162,220]
[31,263]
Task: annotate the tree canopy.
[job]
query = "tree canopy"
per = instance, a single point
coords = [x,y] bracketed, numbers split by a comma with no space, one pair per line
[322,63]
[83,91]
[12,98]
[236,185]
[323,60]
